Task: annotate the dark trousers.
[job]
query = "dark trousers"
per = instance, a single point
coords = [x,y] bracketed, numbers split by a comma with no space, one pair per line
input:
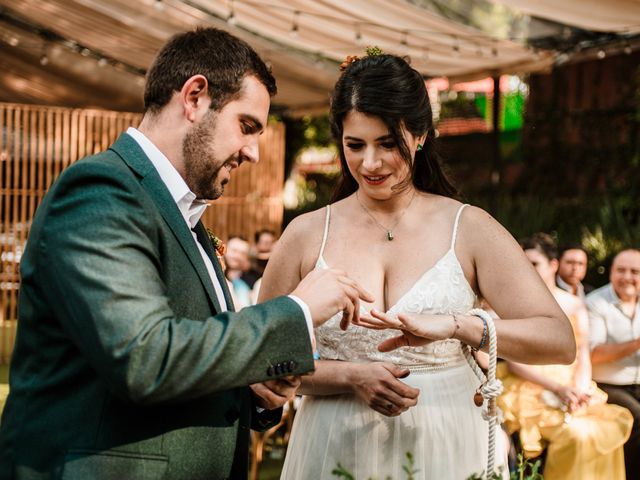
[628,396]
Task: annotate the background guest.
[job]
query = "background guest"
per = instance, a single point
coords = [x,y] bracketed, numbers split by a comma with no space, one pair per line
[614,316]
[236,258]
[558,406]
[265,240]
[572,268]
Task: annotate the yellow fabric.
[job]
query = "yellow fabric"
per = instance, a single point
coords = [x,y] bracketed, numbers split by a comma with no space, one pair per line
[586,445]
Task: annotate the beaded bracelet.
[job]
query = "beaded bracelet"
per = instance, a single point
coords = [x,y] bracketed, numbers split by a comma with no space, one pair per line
[456,326]
[483,341]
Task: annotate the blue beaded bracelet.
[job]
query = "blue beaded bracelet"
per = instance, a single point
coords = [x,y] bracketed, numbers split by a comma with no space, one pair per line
[485,330]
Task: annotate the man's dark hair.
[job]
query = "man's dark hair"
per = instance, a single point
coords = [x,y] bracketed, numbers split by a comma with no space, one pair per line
[222,58]
[572,246]
[259,233]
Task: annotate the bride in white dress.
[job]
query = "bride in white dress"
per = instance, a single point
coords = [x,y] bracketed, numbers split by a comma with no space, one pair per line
[396,231]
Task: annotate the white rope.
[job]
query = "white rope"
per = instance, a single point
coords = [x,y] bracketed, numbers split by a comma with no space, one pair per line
[491,387]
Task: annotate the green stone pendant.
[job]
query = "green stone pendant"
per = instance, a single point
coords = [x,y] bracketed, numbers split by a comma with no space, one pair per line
[389,235]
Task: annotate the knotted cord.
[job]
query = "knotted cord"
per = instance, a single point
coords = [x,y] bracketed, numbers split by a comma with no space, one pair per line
[491,387]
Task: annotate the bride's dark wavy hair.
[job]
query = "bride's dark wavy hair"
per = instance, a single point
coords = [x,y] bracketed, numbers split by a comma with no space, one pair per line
[385,86]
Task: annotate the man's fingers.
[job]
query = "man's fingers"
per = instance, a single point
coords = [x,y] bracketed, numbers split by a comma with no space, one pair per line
[347,315]
[360,291]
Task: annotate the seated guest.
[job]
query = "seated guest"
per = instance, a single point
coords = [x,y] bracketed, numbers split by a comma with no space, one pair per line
[558,406]
[265,240]
[572,268]
[236,258]
[614,317]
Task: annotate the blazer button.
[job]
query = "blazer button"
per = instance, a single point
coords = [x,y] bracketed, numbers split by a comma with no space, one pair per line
[279,369]
[270,371]
[292,365]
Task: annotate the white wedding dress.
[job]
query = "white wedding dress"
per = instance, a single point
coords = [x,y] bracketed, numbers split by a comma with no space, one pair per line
[444,432]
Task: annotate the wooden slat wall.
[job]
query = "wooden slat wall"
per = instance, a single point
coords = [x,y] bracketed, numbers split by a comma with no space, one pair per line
[37,143]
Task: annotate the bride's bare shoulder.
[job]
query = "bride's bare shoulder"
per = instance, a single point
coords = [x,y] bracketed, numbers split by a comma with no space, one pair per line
[306,225]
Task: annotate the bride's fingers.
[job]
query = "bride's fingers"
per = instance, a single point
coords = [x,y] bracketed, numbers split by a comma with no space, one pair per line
[370,322]
[407,339]
[386,319]
[393,343]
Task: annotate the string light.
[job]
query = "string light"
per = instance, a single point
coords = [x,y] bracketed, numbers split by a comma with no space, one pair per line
[456,46]
[403,38]
[627,48]
[601,54]
[231,18]
[44,59]
[294,25]
[358,39]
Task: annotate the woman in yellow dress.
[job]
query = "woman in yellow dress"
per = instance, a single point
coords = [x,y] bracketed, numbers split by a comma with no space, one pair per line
[558,406]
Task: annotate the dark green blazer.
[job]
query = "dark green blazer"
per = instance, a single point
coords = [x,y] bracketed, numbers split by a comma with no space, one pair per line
[124,367]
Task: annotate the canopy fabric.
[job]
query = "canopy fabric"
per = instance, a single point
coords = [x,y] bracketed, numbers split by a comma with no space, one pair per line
[621,16]
[304,40]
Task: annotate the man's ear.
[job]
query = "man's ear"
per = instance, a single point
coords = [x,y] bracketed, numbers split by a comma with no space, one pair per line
[194,97]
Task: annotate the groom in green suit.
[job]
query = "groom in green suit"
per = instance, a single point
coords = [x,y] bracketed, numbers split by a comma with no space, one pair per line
[130,362]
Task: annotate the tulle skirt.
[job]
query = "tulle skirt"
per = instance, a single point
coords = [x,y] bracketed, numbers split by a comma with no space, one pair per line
[444,433]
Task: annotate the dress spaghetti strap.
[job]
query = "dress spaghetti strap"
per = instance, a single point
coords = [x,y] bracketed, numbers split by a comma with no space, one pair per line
[455,225]
[325,235]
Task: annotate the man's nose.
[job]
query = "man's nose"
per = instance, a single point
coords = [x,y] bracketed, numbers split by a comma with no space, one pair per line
[251,151]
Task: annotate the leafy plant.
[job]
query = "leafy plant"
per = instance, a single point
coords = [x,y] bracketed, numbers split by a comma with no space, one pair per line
[526,470]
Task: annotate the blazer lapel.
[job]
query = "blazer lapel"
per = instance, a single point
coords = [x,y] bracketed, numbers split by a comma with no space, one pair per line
[205,241]
[129,150]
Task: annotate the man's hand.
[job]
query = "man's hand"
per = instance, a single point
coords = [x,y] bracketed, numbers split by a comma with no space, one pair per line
[329,291]
[274,394]
[379,386]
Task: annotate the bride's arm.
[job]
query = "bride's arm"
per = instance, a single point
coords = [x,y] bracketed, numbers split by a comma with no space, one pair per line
[532,327]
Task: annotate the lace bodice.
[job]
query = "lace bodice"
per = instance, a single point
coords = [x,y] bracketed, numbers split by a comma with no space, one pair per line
[441,289]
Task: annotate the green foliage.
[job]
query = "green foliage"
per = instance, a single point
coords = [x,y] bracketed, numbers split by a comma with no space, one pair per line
[526,470]
[342,472]
[374,51]
[304,132]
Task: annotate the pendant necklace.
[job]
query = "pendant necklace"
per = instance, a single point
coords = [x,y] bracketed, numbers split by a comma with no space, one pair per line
[389,231]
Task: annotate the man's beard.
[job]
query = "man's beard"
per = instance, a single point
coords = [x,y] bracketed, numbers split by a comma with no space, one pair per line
[201,167]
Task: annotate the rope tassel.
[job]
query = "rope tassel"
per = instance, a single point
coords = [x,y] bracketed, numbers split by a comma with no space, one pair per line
[491,387]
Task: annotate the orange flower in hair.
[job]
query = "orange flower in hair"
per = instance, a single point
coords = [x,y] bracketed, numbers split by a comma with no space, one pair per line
[348,61]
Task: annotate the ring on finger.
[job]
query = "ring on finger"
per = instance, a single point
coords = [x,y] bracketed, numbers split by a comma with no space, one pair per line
[389,406]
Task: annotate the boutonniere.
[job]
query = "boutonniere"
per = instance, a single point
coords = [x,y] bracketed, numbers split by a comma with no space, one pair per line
[219,246]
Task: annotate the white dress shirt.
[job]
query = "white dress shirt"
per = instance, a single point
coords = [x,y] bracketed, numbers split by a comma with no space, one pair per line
[609,325]
[192,209]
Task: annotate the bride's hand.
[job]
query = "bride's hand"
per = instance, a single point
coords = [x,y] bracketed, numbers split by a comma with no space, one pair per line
[378,384]
[417,329]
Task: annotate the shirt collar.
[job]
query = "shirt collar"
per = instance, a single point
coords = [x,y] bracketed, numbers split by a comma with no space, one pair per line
[615,299]
[190,207]
[565,286]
